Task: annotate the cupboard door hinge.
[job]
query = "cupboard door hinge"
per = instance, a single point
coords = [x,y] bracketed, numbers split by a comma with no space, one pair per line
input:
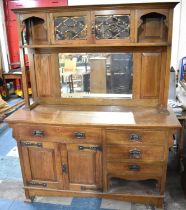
[37,184]
[95,148]
[90,188]
[31,144]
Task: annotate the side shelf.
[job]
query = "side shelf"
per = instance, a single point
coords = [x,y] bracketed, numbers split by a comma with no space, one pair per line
[152,26]
[34,29]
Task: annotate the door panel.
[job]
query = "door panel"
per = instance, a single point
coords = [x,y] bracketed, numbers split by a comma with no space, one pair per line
[150,71]
[42,163]
[46,171]
[47,81]
[84,167]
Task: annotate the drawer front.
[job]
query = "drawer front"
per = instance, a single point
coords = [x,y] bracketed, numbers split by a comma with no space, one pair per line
[146,153]
[134,168]
[136,137]
[57,133]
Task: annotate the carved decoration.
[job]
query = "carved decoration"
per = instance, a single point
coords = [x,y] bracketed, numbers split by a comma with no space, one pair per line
[112,27]
[70,28]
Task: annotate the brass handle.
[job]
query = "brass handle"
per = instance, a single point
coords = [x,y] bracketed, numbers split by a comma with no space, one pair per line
[135,153]
[95,148]
[38,133]
[79,135]
[31,144]
[134,168]
[135,137]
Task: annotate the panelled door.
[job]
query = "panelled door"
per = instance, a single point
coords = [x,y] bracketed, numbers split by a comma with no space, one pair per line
[83,166]
[42,164]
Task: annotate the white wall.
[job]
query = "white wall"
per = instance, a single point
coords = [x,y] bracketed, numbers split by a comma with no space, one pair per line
[92,2]
[176,37]
[182,32]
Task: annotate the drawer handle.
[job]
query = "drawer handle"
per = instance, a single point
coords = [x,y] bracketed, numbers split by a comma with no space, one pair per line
[135,137]
[37,184]
[31,144]
[95,148]
[79,135]
[134,168]
[38,133]
[135,153]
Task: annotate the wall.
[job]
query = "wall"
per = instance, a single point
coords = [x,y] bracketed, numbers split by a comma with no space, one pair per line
[83,2]
[182,32]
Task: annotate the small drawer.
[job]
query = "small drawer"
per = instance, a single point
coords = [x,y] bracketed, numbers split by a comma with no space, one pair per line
[58,133]
[134,168]
[146,153]
[136,136]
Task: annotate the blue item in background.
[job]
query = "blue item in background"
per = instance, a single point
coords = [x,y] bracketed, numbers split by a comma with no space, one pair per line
[183,69]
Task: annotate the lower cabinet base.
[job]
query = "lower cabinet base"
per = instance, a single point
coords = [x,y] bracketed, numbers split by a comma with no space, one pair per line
[156,200]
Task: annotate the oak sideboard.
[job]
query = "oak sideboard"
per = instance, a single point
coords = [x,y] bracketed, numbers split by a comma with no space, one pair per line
[97,123]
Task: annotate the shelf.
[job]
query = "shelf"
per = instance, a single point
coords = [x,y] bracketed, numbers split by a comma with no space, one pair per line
[103,45]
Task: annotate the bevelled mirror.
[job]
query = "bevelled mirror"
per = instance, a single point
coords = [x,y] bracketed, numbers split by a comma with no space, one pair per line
[104,75]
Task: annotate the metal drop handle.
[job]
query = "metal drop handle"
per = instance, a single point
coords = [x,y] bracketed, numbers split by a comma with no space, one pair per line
[135,137]
[38,133]
[79,135]
[134,167]
[135,153]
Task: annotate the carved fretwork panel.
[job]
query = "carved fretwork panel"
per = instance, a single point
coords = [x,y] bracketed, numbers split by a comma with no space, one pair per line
[70,28]
[112,27]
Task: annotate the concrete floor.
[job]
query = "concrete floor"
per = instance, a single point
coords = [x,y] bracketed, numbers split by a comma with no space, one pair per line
[12,195]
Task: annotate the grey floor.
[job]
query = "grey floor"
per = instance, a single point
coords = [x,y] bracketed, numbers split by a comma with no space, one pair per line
[12,195]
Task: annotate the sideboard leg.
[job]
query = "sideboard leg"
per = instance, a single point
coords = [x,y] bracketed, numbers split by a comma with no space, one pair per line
[160,204]
[29,199]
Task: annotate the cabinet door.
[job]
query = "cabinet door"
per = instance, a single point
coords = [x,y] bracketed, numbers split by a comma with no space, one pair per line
[112,26]
[42,164]
[70,28]
[84,167]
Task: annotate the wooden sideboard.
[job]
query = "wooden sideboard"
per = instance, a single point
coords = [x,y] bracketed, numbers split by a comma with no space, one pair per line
[99,125]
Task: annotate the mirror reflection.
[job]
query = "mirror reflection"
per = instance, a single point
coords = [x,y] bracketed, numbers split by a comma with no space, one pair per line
[96,74]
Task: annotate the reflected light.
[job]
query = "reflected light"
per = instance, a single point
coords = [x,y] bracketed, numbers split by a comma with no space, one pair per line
[113,118]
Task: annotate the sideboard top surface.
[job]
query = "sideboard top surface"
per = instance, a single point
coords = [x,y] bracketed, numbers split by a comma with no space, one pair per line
[95,116]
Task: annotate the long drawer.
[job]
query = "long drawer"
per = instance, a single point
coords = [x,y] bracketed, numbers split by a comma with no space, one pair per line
[145,153]
[134,168]
[58,133]
[135,136]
